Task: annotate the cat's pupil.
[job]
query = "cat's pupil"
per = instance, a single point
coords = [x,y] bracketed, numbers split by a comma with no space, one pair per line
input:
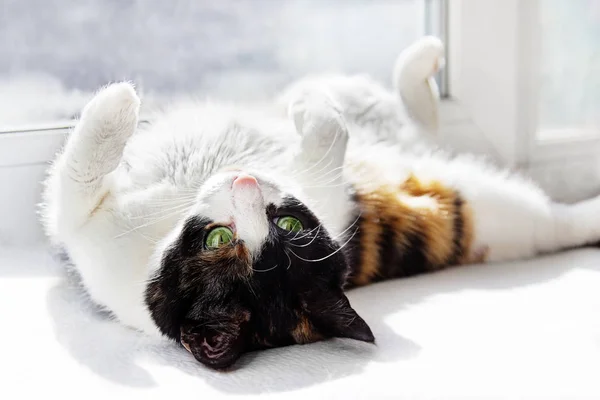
[219,237]
[289,224]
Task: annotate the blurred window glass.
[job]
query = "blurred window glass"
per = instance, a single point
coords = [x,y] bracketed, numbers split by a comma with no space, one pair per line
[54,54]
[570,68]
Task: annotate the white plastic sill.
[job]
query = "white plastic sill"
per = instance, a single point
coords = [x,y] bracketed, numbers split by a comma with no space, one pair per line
[34,144]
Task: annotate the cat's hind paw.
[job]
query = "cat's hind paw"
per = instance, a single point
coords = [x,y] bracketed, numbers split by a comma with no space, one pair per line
[419,62]
[414,80]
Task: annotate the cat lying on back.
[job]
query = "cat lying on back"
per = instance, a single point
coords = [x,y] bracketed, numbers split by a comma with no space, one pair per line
[230,229]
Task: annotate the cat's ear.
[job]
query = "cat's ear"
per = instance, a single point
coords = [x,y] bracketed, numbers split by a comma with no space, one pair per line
[339,319]
[217,347]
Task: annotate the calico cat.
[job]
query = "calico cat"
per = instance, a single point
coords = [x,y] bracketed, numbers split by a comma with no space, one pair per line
[233,228]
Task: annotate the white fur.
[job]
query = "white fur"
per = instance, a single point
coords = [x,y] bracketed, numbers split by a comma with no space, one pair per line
[116,198]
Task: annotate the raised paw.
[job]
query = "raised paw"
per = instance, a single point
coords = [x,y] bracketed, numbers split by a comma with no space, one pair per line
[431,50]
[114,108]
[420,61]
[319,121]
[106,123]
[414,82]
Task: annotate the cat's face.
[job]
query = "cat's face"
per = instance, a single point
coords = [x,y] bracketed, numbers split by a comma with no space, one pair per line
[251,268]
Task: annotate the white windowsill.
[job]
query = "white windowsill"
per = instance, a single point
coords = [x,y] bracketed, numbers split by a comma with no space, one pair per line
[34,144]
[31,147]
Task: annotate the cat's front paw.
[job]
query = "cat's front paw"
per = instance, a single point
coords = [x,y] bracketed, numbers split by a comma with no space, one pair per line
[319,121]
[113,110]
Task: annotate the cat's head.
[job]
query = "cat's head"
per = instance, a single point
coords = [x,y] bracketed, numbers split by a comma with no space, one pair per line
[252,267]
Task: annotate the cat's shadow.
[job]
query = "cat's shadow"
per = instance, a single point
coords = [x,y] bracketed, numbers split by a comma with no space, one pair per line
[128,358]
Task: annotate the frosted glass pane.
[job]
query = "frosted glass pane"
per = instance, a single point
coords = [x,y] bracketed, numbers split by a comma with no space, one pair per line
[54,53]
[570,65]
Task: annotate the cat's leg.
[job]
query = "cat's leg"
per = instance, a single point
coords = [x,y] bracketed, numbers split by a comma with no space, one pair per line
[81,177]
[365,102]
[514,219]
[413,79]
[439,213]
[553,227]
[320,158]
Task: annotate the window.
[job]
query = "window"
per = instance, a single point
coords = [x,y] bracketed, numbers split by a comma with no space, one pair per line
[526,73]
[54,54]
[570,68]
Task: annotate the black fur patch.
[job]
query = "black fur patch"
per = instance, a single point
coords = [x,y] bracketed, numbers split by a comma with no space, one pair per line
[458,231]
[354,248]
[412,260]
[389,255]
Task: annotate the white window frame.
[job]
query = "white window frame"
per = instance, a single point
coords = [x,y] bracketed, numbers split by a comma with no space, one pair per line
[492,71]
[494,53]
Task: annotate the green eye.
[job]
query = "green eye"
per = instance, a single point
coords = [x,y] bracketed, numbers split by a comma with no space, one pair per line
[218,237]
[289,224]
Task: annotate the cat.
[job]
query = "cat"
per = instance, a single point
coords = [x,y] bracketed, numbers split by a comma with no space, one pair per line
[231,228]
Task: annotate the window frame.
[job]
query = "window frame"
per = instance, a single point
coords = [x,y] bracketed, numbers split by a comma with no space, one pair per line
[506,111]
[513,80]
[436,24]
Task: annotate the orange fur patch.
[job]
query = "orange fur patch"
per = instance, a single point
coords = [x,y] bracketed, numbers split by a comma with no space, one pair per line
[433,212]
[370,231]
[241,262]
[469,237]
[304,333]
[438,226]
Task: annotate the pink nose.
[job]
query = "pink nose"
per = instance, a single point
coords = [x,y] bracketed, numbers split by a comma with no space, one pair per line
[244,180]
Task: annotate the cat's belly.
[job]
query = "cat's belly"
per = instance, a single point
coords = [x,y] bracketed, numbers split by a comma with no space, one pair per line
[502,205]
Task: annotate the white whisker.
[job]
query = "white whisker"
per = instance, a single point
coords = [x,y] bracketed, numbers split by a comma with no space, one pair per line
[296,174]
[265,270]
[325,186]
[319,171]
[249,284]
[148,224]
[326,257]
[168,201]
[306,234]
[309,243]
[163,211]
[289,260]
[324,156]
[148,238]
[349,226]
[325,175]
[335,178]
